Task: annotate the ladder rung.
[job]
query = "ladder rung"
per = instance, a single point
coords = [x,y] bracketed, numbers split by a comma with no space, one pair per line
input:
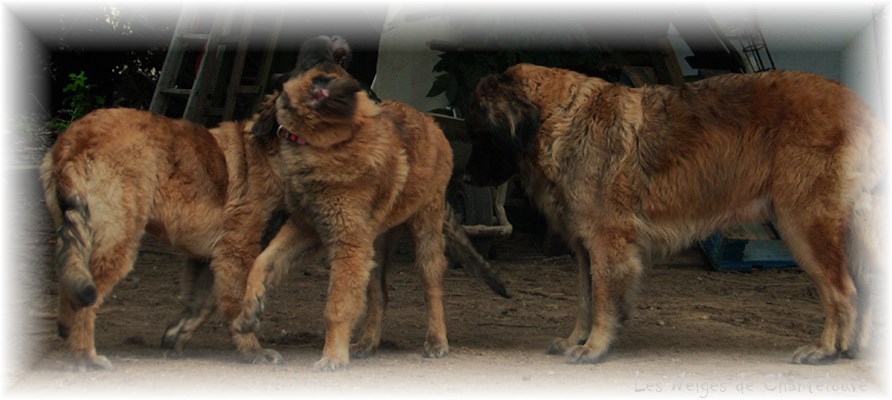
[215,111]
[178,92]
[203,37]
[248,89]
[198,37]
[230,39]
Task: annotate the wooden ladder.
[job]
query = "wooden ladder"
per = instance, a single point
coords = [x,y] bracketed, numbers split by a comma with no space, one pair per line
[229,31]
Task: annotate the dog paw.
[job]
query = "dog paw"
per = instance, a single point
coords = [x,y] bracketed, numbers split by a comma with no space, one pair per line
[246,322]
[92,363]
[435,349]
[249,319]
[362,349]
[171,338]
[559,346]
[814,355]
[326,364]
[581,354]
[853,353]
[263,356]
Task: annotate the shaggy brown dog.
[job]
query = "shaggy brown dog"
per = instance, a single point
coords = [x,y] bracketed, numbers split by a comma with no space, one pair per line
[624,172]
[354,170]
[212,194]
[118,173]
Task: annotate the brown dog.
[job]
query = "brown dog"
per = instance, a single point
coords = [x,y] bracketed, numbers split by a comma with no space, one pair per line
[624,172]
[212,194]
[354,170]
[118,173]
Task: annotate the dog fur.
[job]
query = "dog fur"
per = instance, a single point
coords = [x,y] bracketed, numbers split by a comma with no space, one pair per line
[360,170]
[118,173]
[213,194]
[626,173]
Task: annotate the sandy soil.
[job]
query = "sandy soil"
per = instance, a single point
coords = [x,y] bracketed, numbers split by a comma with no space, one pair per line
[693,332]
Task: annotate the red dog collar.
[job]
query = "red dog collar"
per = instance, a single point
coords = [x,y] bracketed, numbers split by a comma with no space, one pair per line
[290,136]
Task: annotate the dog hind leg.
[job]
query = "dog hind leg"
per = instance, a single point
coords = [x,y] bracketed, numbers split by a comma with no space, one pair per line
[109,264]
[426,228]
[817,242]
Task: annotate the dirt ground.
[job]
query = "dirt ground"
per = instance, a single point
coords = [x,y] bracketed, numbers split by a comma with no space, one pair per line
[693,332]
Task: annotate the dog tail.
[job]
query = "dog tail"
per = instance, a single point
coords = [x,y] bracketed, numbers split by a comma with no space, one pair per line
[864,237]
[74,237]
[460,249]
[867,230]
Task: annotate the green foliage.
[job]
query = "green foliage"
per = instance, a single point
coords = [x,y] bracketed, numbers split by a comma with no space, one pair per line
[79,102]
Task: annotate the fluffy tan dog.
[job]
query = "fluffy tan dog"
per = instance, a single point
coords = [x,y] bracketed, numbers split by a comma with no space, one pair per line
[213,194]
[119,173]
[623,173]
[354,170]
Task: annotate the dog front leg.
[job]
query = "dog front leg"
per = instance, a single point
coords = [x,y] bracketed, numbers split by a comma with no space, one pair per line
[615,267]
[199,304]
[294,243]
[583,306]
[351,266]
[370,332]
[228,265]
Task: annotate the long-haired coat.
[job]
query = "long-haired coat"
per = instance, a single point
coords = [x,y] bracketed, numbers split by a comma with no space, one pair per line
[623,173]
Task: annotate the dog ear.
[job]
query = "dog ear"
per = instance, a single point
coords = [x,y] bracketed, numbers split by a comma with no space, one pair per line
[313,51]
[342,98]
[501,109]
[523,119]
[341,51]
[321,49]
[278,80]
[265,123]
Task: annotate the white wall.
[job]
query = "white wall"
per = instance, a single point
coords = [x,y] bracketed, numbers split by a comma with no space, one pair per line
[824,63]
[860,69]
[405,61]
[855,65]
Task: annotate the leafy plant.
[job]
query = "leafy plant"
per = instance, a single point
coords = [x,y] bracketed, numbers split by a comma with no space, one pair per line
[79,102]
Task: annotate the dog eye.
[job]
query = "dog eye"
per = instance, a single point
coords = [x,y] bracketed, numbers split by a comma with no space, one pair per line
[321,81]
